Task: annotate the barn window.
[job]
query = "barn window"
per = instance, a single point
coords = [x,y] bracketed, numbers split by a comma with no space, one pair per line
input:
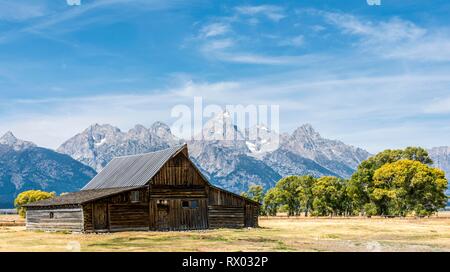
[162,202]
[177,161]
[135,196]
[51,215]
[189,204]
[162,205]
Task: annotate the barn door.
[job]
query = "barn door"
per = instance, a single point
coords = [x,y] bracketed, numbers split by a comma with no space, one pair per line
[100,217]
[249,213]
[162,216]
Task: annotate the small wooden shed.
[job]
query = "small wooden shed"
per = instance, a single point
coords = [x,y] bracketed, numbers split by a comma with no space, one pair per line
[161,190]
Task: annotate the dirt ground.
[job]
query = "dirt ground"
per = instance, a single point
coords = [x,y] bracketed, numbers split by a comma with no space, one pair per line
[274,234]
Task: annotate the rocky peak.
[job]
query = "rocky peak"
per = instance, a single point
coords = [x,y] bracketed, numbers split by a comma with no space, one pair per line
[221,128]
[306,131]
[139,130]
[161,130]
[10,140]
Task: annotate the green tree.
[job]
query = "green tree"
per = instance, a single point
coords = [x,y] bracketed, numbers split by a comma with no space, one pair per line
[328,196]
[271,202]
[288,194]
[305,193]
[409,186]
[255,193]
[30,197]
[361,183]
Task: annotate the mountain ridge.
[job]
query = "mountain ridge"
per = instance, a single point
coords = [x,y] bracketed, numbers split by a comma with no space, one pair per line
[227,155]
[25,166]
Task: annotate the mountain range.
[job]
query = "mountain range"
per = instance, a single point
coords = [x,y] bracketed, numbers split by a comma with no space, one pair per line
[230,157]
[25,166]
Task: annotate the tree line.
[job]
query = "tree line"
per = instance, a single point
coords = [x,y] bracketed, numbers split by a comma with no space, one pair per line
[391,183]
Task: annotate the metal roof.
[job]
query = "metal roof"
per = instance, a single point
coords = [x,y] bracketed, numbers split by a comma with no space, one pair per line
[79,197]
[129,171]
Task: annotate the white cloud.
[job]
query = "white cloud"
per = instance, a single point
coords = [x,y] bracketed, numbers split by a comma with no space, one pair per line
[438,106]
[249,58]
[296,41]
[372,112]
[274,13]
[16,11]
[214,29]
[217,45]
[394,38]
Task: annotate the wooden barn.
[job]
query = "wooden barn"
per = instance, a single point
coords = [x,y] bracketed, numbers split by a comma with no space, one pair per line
[161,190]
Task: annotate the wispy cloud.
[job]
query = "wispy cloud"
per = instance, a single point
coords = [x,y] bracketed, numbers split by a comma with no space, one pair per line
[223,41]
[20,11]
[393,38]
[296,41]
[214,29]
[249,58]
[54,19]
[382,108]
[438,106]
[274,13]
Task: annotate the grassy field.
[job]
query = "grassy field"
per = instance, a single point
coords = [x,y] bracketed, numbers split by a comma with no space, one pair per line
[275,234]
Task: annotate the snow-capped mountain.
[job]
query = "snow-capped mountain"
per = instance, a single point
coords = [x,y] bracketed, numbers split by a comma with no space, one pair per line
[261,140]
[25,166]
[230,157]
[8,139]
[222,153]
[99,144]
[441,159]
[333,155]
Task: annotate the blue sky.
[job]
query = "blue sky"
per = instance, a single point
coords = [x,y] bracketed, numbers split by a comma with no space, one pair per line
[372,76]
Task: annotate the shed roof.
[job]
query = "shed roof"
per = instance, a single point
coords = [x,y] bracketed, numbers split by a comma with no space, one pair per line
[80,197]
[135,170]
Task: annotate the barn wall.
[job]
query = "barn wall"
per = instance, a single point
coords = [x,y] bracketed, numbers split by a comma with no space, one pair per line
[128,217]
[226,210]
[173,216]
[178,181]
[64,218]
[251,215]
[121,213]
[178,171]
[87,217]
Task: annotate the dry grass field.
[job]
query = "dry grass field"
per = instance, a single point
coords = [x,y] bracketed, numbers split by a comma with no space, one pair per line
[275,234]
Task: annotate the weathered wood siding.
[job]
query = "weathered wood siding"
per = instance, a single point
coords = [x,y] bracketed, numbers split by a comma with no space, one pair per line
[225,216]
[173,216]
[227,210]
[251,215]
[178,181]
[87,217]
[122,213]
[178,172]
[128,217]
[68,218]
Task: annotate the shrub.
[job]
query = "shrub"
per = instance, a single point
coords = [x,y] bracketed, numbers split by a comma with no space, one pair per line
[28,197]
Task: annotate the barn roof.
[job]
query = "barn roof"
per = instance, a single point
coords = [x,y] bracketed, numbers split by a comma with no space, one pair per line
[135,170]
[80,197]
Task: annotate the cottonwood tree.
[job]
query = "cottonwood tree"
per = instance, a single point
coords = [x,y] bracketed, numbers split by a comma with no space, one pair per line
[28,197]
[328,196]
[255,193]
[271,202]
[305,193]
[408,186]
[361,182]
